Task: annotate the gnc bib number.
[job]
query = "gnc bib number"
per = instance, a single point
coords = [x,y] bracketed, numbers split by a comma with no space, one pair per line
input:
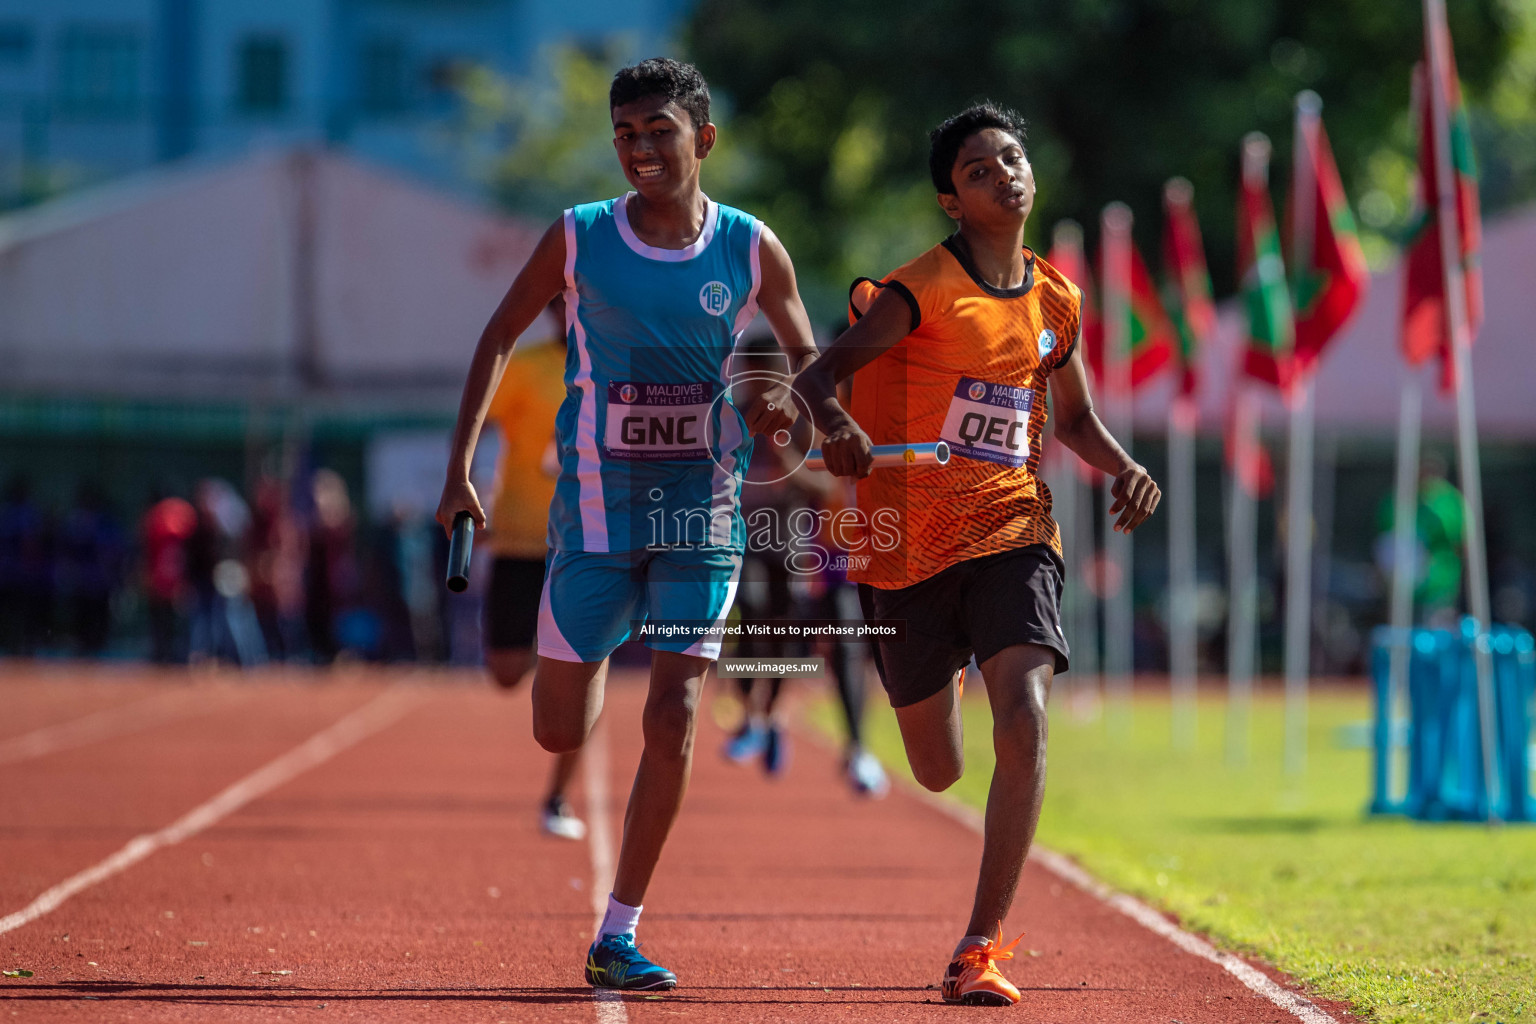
[989,422]
[658,421]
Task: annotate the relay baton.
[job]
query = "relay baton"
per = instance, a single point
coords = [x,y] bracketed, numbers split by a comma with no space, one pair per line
[460,541]
[934,453]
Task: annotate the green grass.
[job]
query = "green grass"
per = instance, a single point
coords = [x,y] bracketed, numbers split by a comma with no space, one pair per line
[1409,922]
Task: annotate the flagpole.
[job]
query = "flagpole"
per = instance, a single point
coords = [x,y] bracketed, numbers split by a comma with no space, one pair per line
[1298,533]
[1076,512]
[1182,639]
[1086,608]
[1404,567]
[1242,593]
[1115,250]
[1438,37]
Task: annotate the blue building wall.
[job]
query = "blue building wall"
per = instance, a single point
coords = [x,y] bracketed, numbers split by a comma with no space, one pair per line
[90,89]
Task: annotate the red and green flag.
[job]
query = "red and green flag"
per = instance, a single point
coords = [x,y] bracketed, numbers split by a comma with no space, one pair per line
[1187,283]
[1152,334]
[1270,352]
[1426,326]
[1329,275]
[1067,256]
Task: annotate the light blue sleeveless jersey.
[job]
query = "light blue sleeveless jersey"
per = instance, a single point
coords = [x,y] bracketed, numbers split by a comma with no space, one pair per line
[652,451]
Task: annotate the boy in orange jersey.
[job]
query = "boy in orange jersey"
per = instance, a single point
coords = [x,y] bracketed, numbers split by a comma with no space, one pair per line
[959,345]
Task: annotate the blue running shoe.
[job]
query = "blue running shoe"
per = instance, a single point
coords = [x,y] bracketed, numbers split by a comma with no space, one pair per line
[615,962]
[747,744]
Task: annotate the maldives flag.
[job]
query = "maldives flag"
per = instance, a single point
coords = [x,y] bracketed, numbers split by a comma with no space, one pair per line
[1270,355]
[1328,271]
[1152,333]
[1426,330]
[1188,283]
[1067,256]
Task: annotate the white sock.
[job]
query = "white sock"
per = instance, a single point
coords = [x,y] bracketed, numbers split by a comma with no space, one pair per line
[972,940]
[620,919]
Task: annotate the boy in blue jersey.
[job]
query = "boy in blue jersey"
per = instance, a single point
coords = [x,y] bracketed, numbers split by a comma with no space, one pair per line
[658,286]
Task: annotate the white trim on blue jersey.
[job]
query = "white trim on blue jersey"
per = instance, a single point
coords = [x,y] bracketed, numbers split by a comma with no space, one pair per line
[651,252]
[589,470]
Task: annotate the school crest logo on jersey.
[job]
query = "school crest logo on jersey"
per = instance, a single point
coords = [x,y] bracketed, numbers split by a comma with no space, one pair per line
[715,297]
[1047,342]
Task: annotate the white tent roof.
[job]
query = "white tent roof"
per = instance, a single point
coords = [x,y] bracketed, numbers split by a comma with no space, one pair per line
[248,280]
[1362,370]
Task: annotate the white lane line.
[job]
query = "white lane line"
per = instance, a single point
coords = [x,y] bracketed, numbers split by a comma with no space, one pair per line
[322,746]
[1255,980]
[99,725]
[609,1004]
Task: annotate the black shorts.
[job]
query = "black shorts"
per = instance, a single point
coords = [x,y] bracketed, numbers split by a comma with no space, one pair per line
[512,603]
[978,606]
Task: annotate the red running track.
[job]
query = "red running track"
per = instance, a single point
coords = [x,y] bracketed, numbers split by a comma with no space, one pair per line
[393,870]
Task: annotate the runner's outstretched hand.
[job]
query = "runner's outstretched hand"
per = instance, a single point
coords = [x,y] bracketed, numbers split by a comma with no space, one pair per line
[1136,496]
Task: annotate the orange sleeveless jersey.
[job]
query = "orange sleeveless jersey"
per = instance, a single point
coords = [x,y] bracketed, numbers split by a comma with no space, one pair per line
[972,373]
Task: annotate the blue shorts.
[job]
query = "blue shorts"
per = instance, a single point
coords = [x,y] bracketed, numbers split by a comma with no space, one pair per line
[591,598]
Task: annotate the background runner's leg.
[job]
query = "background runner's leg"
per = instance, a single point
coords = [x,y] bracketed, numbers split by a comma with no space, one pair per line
[1018,683]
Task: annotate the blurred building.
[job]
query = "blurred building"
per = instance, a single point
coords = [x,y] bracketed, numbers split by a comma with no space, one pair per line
[90,89]
[190,321]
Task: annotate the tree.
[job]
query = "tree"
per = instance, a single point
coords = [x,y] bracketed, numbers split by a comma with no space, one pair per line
[836,102]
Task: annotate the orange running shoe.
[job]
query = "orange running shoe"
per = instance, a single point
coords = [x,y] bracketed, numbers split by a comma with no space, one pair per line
[973,979]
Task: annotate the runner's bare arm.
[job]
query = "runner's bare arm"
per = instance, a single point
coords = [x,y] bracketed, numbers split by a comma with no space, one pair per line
[779,299]
[540,280]
[846,447]
[1080,429]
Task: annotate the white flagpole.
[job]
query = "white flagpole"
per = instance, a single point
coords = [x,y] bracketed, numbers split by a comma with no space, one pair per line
[1298,573]
[1242,593]
[1298,532]
[1404,555]
[1075,516]
[1469,464]
[1085,609]
[1115,249]
[1182,638]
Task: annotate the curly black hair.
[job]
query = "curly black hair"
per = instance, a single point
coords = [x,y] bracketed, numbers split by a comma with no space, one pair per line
[944,142]
[663,76]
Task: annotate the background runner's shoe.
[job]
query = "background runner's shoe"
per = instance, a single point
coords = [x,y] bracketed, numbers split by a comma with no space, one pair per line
[747,743]
[776,752]
[557,819]
[866,776]
[615,962]
[972,977]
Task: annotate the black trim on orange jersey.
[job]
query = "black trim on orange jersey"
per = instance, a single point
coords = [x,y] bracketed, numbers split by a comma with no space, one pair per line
[1071,347]
[901,289]
[964,259]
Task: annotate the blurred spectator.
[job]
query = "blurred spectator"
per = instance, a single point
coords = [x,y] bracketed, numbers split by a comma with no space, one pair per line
[167,526]
[26,579]
[1440,526]
[330,578]
[224,625]
[90,567]
[274,552]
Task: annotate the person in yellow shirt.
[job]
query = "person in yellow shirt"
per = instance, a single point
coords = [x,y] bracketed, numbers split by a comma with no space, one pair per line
[523,410]
[960,345]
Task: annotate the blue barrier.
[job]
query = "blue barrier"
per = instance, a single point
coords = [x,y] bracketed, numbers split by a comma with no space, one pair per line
[1444,765]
